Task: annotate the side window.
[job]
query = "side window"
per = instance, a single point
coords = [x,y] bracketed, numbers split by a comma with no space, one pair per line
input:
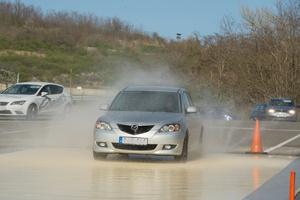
[55,89]
[189,99]
[46,88]
[185,101]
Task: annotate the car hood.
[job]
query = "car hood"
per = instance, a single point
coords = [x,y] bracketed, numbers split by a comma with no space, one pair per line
[10,97]
[141,118]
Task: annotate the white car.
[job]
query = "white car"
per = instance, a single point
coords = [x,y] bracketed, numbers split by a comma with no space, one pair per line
[29,99]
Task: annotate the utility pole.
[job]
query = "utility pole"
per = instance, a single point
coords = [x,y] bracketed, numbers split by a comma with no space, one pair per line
[71,72]
[18,77]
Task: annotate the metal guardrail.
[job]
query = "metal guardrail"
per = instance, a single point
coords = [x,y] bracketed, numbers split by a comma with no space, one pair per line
[90,98]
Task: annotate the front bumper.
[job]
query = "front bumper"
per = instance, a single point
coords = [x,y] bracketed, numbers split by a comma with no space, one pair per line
[287,117]
[13,110]
[156,142]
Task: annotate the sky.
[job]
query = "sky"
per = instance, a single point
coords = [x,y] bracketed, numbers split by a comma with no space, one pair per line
[166,17]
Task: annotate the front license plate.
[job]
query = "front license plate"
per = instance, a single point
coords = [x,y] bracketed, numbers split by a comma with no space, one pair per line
[133,140]
[282,114]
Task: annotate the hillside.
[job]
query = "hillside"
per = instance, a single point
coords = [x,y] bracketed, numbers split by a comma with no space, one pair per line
[246,63]
[57,45]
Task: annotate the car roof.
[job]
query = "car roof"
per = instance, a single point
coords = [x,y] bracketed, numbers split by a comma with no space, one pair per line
[37,83]
[154,88]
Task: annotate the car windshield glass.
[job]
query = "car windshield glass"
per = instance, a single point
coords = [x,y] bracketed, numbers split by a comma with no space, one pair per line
[22,89]
[281,102]
[147,101]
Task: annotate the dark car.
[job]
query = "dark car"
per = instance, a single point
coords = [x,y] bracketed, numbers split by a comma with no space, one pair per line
[281,109]
[259,112]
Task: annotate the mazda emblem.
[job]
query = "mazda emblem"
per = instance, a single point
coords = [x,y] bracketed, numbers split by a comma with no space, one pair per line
[134,127]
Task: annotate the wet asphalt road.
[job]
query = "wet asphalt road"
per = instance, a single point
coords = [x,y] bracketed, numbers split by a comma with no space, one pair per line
[51,159]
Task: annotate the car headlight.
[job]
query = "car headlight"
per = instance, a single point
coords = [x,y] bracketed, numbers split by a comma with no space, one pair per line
[271,110]
[292,112]
[170,128]
[103,126]
[18,102]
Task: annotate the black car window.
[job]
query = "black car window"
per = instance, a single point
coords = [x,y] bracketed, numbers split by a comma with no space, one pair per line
[46,88]
[55,89]
[282,102]
[22,89]
[146,101]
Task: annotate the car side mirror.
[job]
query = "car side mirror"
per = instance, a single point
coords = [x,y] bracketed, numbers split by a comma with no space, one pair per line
[103,107]
[191,109]
[43,94]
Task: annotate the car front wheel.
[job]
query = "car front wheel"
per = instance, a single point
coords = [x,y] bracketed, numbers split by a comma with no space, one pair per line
[32,112]
[184,154]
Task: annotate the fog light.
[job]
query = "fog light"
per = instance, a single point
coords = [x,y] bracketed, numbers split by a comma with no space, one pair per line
[169,146]
[102,144]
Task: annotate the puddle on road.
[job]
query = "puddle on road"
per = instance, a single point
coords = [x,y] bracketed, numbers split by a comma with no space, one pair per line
[71,173]
[58,165]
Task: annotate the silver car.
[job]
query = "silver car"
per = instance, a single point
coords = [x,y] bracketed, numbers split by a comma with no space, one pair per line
[149,120]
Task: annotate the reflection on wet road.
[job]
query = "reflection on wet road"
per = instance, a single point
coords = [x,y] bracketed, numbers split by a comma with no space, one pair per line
[52,159]
[71,173]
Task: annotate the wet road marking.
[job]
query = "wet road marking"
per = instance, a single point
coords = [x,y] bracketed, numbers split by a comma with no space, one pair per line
[23,131]
[282,144]
[262,129]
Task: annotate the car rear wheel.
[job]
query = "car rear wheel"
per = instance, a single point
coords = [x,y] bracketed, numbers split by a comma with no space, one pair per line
[201,135]
[31,112]
[201,143]
[184,154]
[99,156]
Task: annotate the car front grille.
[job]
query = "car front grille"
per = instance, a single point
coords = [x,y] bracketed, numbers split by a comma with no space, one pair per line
[140,129]
[134,147]
[281,110]
[6,112]
[3,103]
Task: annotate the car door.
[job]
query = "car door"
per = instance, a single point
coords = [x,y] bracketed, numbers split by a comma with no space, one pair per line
[193,122]
[56,98]
[44,101]
[53,101]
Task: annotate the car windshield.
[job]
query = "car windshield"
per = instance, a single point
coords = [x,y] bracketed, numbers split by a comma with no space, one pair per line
[147,101]
[282,102]
[22,89]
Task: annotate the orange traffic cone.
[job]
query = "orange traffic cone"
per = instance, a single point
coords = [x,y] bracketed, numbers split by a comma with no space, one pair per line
[256,146]
[292,185]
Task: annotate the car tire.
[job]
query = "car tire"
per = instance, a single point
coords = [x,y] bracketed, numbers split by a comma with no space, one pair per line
[32,112]
[201,135]
[201,142]
[184,154]
[99,156]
